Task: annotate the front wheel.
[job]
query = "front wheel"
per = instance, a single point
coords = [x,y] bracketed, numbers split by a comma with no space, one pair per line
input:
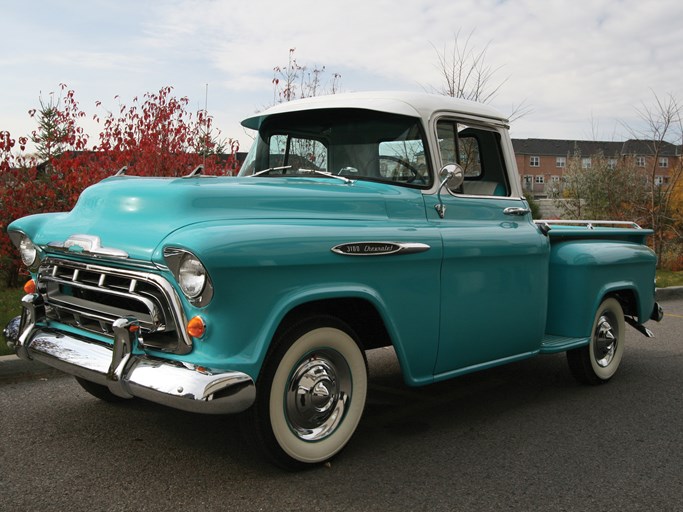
[99,391]
[597,362]
[310,395]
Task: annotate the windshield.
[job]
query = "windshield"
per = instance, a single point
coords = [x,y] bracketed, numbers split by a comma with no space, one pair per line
[352,143]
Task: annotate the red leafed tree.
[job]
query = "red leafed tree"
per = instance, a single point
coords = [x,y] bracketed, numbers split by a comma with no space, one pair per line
[22,190]
[160,138]
[155,138]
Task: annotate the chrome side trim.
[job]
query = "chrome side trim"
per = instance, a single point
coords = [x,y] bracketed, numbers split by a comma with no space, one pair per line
[373,248]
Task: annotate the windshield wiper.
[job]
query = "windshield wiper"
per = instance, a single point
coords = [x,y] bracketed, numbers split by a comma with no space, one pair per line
[326,174]
[270,169]
[303,171]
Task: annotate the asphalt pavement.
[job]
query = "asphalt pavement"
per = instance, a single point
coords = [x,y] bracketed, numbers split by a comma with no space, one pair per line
[522,437]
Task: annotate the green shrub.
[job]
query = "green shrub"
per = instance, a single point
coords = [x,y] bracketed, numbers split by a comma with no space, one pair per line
[10,306]
[533,205]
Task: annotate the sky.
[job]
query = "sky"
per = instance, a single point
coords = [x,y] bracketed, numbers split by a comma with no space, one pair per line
[580,69]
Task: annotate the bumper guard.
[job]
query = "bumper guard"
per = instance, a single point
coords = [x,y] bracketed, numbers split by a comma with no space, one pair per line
[127,374]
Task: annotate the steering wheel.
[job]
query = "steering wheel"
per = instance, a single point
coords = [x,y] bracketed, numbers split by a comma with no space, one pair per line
[416,173]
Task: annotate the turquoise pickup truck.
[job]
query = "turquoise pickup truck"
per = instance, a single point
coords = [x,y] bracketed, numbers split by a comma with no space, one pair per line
[357,221]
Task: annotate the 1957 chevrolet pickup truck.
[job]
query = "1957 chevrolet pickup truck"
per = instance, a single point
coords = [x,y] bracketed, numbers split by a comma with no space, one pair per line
[357,221]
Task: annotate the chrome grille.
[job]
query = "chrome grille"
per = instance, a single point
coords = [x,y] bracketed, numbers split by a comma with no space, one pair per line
[91,297]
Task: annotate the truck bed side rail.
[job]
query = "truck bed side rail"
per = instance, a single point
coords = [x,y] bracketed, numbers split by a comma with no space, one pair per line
[590,224]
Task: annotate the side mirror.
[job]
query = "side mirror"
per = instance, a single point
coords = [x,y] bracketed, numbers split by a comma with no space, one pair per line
[454,176]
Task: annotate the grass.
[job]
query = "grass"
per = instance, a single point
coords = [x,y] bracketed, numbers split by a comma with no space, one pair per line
[666,278]
[10,306]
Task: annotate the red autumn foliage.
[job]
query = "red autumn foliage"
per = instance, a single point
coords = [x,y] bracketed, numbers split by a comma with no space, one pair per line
[155,138]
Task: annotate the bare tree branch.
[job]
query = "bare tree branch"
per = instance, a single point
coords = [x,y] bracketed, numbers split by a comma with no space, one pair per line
[466,74]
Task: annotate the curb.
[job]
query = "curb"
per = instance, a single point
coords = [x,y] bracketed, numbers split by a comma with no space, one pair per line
[14,369]
[669,293]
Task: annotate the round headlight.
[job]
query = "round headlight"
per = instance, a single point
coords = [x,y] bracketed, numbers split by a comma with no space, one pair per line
[191,276]
[28,251]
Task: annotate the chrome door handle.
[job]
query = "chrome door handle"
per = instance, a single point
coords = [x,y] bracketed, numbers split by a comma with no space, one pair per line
[516,211]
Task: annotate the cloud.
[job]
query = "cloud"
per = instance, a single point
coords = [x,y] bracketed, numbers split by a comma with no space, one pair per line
[572,64]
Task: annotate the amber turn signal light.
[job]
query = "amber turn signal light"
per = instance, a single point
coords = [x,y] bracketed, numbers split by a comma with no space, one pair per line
[196,327]
[30,286]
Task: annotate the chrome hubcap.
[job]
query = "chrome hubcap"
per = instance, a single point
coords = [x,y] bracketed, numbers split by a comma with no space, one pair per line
[317,395]
[605,345]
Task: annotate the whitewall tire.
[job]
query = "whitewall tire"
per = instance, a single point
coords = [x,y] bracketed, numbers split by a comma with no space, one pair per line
[597,362]
[311,393]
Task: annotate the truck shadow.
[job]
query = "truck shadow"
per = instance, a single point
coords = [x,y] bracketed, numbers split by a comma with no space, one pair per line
[394,413]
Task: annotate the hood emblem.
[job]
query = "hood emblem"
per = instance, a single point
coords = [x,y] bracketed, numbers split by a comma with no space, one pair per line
[379,248]
[90,244]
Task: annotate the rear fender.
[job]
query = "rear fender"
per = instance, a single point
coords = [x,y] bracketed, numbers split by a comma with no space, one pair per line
[583,273]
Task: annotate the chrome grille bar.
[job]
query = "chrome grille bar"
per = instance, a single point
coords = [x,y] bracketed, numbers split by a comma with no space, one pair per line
[91,297]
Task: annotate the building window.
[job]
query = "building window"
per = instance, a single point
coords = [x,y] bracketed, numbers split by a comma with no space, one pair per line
[640,161]
[612,163]
[540,179]
[561,161]
[555,179]
[663,161]
[586,162]
[659,180]
[534,161]
[527,178]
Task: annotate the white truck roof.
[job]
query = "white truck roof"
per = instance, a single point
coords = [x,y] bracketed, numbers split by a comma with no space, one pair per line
[422,105]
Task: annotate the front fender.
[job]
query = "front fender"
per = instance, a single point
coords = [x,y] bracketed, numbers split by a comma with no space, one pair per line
[263,271]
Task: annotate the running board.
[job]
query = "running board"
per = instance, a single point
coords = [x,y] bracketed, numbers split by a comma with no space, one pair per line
[551,344]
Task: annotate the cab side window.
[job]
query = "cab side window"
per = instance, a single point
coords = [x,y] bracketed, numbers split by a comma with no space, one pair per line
[478,152]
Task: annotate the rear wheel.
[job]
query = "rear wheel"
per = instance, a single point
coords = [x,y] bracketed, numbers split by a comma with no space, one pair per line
[597,362]
[310,395]
[99,391]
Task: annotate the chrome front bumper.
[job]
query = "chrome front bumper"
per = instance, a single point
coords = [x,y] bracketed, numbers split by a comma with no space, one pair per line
[127,374]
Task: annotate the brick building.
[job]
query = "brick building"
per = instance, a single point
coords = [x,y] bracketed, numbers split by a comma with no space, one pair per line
[542,162]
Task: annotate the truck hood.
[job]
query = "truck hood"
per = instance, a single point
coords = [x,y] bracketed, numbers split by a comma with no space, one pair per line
[134,214]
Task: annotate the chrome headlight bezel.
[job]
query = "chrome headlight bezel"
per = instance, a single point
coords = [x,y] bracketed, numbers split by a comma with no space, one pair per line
[191,275]
[30,253]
